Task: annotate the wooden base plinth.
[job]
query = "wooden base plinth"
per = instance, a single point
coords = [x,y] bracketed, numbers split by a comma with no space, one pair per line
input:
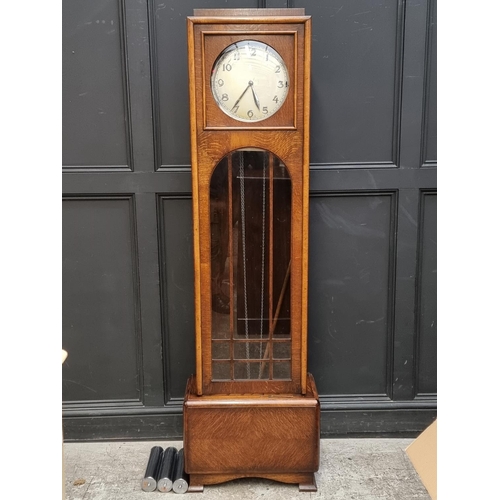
[273,436]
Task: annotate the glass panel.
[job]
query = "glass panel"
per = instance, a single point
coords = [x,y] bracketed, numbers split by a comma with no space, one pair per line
[219,251]
[282,371]
[252,371]
[221,371]
[281,350]
[250,350]
[220,350]
[250,222]
[282,328]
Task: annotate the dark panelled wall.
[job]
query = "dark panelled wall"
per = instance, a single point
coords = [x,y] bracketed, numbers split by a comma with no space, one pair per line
[128,312]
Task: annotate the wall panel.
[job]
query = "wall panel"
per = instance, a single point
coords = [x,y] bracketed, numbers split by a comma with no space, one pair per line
[176,236]
[355,91]
[427,298]
[350,296]
[95,90]
[101,330]
[429,146]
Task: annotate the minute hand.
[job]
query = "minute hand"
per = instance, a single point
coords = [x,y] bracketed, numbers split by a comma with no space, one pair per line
[241,96]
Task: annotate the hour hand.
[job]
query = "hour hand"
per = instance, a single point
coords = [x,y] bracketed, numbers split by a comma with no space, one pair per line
[256,100]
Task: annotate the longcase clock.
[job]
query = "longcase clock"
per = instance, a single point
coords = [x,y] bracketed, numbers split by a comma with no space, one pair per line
[251,409]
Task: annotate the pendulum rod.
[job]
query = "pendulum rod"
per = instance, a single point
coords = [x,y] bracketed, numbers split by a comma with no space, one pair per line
[269,346]
[263,254]
[276,315]
[243,239]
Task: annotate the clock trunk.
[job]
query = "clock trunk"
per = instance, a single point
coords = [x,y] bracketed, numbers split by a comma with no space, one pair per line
[252,406]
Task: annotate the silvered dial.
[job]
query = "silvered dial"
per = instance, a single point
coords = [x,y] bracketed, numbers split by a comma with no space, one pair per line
[249,81]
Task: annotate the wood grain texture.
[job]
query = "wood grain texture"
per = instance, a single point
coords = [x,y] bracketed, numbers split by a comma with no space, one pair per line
[251,436]
[305,197]
[196,229]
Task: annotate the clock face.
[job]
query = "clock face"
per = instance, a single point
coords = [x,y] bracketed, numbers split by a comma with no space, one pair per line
[249,81]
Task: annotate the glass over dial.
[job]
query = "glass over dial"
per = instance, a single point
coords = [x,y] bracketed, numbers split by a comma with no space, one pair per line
[249,81]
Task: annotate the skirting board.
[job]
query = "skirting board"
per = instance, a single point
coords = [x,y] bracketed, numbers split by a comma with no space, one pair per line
[159,424]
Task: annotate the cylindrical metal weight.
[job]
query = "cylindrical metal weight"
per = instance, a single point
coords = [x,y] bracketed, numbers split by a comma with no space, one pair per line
[166,472]
[180,477]
[151,474]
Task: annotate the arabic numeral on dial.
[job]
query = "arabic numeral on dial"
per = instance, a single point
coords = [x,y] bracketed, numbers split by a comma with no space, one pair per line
[275,99]
[220,82]
[236,56]
[224,97]
[265,110]
[278,69]
[250,113]
[227,67]
[253,51]
[280,84]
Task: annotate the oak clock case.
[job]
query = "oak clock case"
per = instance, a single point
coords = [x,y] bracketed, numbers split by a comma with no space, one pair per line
[251,409]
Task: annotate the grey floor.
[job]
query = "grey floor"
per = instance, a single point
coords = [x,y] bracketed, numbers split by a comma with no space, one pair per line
[362,469]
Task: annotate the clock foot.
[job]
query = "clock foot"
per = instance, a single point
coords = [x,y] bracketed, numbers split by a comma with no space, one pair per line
[306,481]
[310,486]
[195,488]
